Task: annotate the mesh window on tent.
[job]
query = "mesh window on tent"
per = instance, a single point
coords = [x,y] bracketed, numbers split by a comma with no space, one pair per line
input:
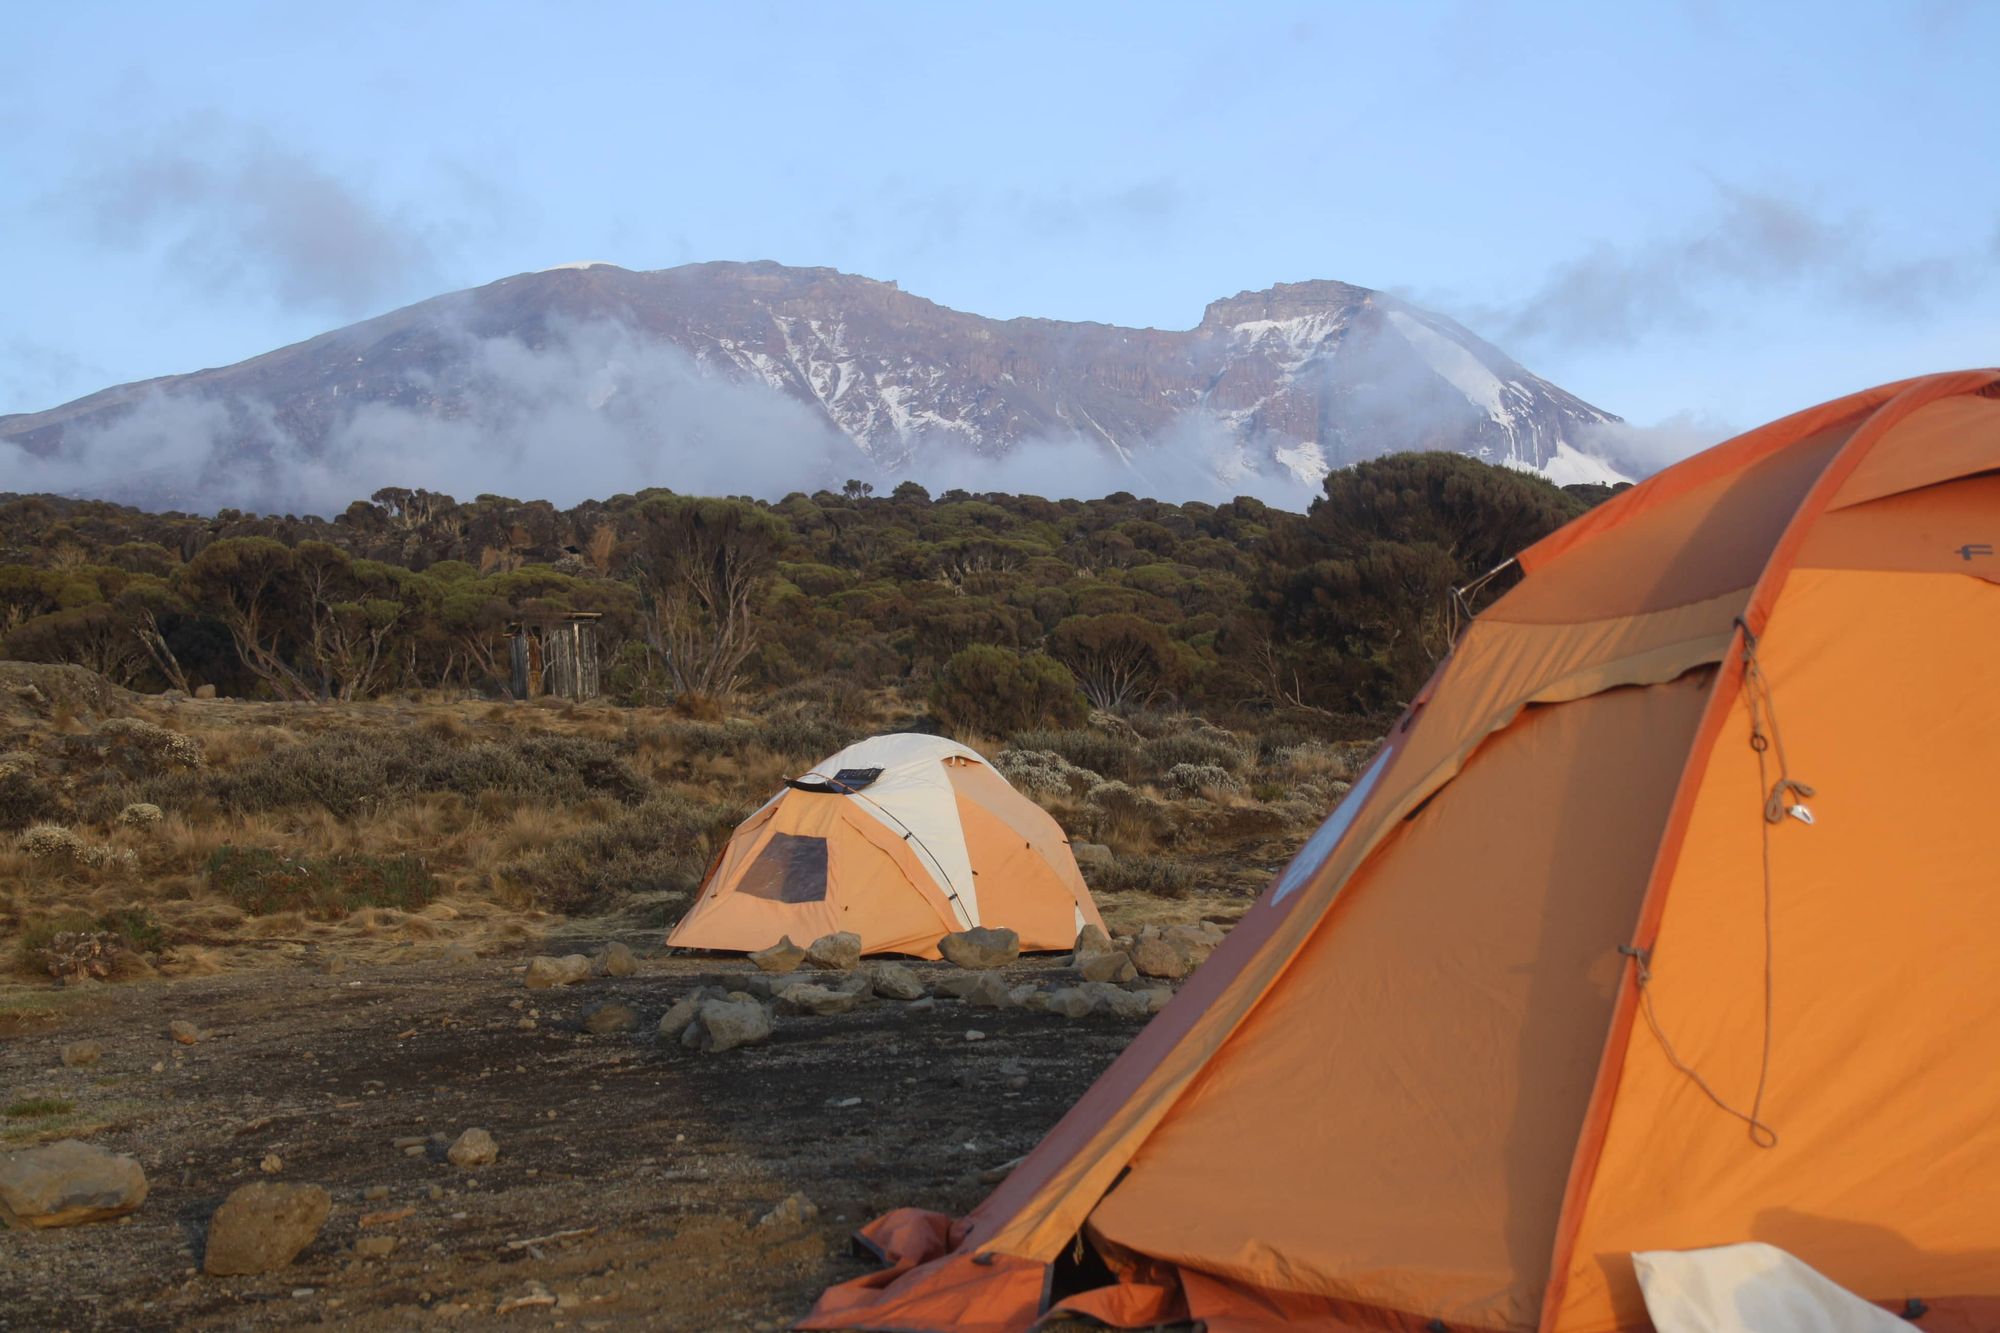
[790,869]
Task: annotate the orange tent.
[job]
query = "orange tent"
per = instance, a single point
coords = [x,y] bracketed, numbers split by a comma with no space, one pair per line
[1668,918]
[899,839]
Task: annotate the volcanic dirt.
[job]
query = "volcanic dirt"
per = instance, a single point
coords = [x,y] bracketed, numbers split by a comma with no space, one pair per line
[632,1175]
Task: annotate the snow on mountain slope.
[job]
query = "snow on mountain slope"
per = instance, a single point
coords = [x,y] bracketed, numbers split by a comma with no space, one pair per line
[1264,395]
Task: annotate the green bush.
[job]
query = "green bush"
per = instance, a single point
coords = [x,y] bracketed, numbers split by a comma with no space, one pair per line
[134,929]
[997,693]
[325,888]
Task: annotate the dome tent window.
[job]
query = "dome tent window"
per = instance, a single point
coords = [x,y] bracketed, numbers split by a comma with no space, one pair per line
[790,869]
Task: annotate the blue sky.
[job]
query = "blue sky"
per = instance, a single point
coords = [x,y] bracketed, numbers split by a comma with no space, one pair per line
[1722,211]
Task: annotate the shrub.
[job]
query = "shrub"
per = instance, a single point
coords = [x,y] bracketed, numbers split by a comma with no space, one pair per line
[1161,876]
[76,945]
[325,888]
[1319,759]
[1122,816]
[1111,756]
[997,692]
[1044,773]
[140,814]
[803,736]
[347,773]
[147,747]
[1197,745]
[1200,780]
[25,796]
[51,842]
[661,847]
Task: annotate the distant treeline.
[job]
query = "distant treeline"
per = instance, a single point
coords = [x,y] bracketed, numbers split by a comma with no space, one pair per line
[1001,606]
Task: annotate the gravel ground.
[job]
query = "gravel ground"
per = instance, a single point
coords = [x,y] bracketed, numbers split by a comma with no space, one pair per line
[631,1176]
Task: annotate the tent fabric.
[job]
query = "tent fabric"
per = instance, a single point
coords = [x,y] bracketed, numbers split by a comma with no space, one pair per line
[1453,1074]
[921,837]
[1750,1288]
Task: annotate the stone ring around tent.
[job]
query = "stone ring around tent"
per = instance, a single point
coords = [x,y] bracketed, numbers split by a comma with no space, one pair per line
[901,840]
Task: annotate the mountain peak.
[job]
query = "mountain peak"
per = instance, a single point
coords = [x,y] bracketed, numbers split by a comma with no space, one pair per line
[711,371]
[1284,300]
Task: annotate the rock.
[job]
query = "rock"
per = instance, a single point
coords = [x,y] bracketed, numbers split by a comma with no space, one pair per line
[1157,997]
[981,947]
[1029,996]
[923,1006]
[1115,1000]
[1091,855]
[1089,941]
[791,1211]
[375,1193]
[81,1054]
[140,814]
[204,691]
[617,960]
[1069,1002]
[272,1164]
[820,1000]
[992,992]
[475,1147]
[784,956]
[609,1018]
[1198,939]
[838,952]
[958,985]
[183,1032]
[262,1227]
[894,981]
[1157,955]
[544,972]
[675,1021]
[374,1247]
[66,1184]
[721,1025]
[1112,965]
[974,1034]
[458,952]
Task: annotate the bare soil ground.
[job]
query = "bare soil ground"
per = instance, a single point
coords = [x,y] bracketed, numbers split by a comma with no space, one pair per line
[632,1173]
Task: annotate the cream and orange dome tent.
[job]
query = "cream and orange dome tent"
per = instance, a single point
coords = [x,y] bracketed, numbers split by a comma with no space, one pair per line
[899,839]
[1668,919]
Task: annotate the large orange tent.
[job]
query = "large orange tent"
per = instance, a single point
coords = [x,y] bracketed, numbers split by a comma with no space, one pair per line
[1668,918]
[899,839]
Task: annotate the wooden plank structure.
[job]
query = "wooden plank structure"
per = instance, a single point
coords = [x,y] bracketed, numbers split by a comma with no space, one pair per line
[555,653]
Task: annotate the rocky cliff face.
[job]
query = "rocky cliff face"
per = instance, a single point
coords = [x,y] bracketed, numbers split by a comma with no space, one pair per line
[1269,390]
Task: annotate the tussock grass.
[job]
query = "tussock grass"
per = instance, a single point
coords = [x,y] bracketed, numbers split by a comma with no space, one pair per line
[346,821]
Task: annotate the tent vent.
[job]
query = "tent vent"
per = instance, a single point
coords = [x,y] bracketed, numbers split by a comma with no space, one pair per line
[847,781]
[1915,1309]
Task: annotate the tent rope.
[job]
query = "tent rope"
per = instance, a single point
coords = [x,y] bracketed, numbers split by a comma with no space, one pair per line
[1784,797]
